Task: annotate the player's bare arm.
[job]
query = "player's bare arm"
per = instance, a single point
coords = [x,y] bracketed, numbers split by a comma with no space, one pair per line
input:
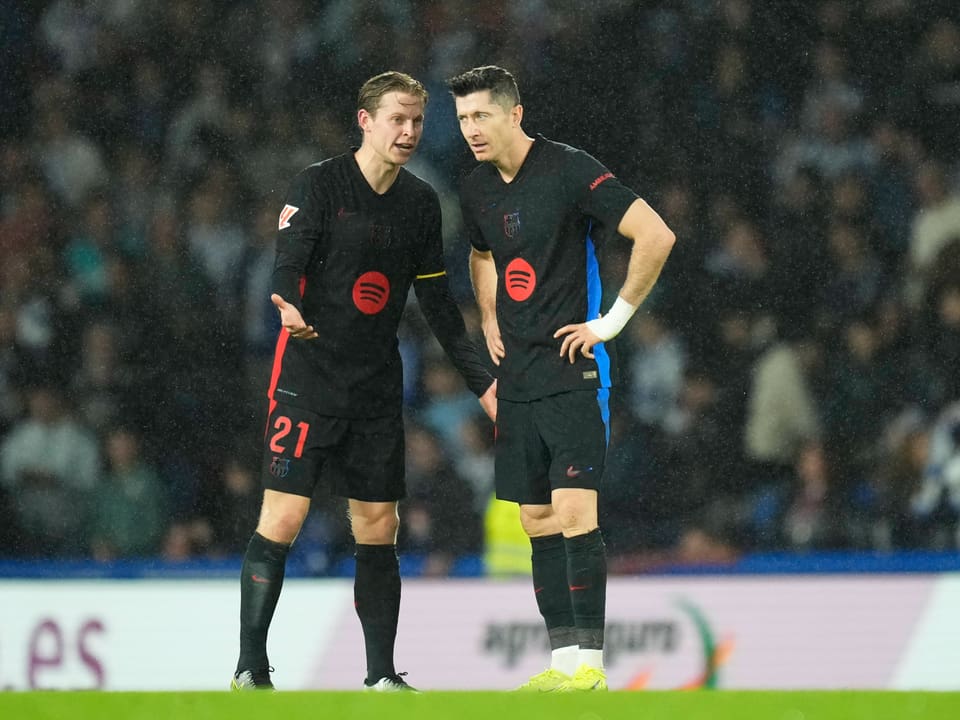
[652,243]
[483,274]
[292,320]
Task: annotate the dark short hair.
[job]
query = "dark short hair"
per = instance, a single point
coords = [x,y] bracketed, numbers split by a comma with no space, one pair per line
[500,83]
[376,87]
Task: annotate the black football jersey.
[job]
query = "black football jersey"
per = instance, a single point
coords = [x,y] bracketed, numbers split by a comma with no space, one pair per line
[544,229]
[347,257]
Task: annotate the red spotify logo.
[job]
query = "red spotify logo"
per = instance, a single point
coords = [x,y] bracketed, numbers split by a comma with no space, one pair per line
[371,292]
[520,279]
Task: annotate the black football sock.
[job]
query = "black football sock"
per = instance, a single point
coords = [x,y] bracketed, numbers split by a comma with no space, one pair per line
[376,596]
[587,574]
[260,581]
[549,558]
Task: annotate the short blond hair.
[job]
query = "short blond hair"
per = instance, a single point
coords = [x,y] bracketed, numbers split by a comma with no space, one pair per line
[376,87]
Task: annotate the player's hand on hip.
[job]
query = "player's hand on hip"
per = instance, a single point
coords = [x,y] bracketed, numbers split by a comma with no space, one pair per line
[577,338]
[488,401]
[292,320]
[491,332]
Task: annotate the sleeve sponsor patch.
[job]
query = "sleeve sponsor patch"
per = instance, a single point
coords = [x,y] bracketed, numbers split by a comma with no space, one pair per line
[602,178]
[288,212]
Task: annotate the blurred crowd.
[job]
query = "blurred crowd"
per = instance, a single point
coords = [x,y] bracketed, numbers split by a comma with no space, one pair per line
[792,384]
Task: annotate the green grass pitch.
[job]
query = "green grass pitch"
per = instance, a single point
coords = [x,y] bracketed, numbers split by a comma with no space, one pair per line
[651,705]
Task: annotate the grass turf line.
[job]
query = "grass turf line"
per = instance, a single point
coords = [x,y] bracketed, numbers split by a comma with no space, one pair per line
[650,705]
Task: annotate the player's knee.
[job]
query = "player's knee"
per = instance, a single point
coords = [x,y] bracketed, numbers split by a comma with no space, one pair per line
[534,528]
[382,532]
[575,519]
[281,522]
[279,530]
[576,511]
[375,528]
[573,523]
[538,520]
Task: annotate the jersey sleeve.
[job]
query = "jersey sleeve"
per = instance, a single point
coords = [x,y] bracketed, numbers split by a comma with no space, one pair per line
[470,226]
[440,309]
[300,227]
[431,259]
[600,194]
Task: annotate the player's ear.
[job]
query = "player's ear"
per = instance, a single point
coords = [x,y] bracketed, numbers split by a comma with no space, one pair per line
[517,115]
[363,118]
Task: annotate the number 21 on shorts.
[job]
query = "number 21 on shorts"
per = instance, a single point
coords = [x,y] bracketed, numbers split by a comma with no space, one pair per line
[283,425]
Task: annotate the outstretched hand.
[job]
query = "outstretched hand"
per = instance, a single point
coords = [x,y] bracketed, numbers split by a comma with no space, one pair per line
[292,320]
[578,337]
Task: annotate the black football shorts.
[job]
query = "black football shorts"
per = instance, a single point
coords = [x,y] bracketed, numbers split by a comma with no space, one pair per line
[360,458]
[559,441]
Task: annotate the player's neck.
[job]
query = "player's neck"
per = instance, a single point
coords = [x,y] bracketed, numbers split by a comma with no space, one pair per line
[380,175]
[513,159]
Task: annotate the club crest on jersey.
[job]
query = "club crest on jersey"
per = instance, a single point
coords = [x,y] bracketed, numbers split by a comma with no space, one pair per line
[371,292]
[381,235]
[288,212]
[511,224]
[279,467]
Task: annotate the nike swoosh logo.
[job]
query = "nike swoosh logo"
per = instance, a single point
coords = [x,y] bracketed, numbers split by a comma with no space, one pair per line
[574,588]
[258,579]
[572,472]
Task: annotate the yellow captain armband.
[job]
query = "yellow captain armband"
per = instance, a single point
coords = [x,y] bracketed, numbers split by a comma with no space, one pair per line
[431,275]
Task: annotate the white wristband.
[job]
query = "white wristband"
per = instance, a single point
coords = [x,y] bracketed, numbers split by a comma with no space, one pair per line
[609,326]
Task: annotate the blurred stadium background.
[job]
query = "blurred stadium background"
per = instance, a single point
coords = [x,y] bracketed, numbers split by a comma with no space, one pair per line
[788,427]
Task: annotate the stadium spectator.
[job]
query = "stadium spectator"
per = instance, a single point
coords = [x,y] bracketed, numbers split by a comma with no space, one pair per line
[101,387]
[935,224]
[233,505]
[448,405]
[128,508]
[73,164]
[897,476]
[439,521]
[935,502]
[782,416]
[474,460]
[87,250]
[49,465]
[657,360]
[814,516]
